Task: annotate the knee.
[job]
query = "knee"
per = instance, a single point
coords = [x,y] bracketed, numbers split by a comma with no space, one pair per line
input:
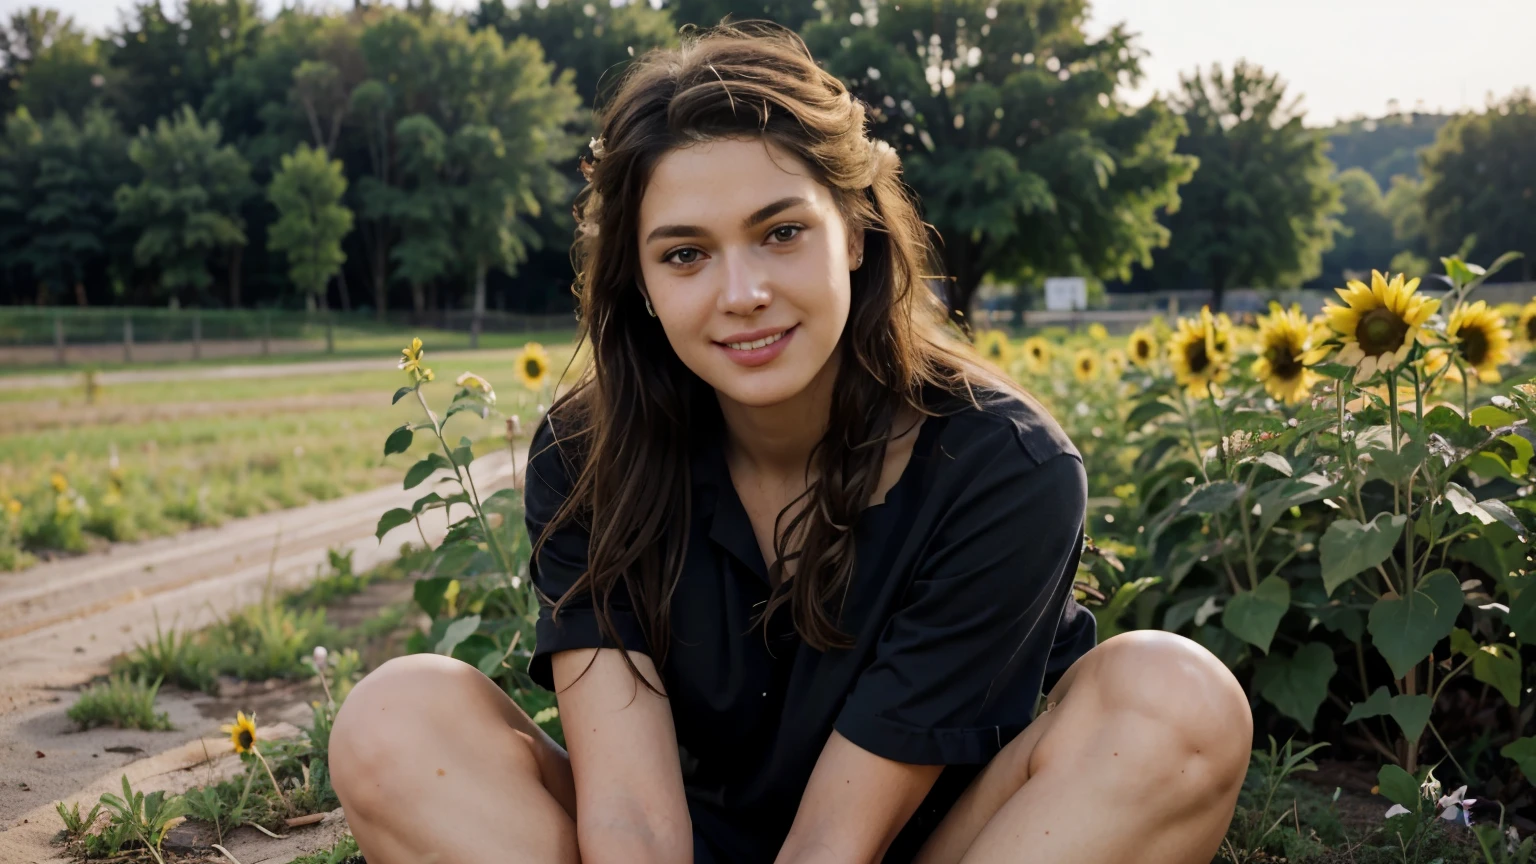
[1165,679]
[402,707]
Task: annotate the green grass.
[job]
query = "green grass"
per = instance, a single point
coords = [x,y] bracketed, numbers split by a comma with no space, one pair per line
[122,702]
[268,444]
[344,851]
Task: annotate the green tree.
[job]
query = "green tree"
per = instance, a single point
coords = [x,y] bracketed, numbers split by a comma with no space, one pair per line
[164,61]
[1480,182]
[311,220]
[793,14]
[1260,211]
[421,206]
[1011,133]
[78,169]
[1365,239]
[20,152]
[51,64]
[186,209]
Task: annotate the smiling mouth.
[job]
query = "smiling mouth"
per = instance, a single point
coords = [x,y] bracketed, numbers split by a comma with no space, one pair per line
[757,343]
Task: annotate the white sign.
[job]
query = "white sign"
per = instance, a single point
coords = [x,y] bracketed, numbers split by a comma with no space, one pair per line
[1066,293]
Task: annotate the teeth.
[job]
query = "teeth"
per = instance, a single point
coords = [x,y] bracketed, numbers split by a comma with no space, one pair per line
[748,346]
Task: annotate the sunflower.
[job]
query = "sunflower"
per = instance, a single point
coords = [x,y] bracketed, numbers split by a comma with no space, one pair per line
[60,483]
[1115,362]
[13,507]
[1526,330]
[1037,354]
[994,345]
[242,732]
[1480,338]
[1085,365]
[1097,333]
[532,366]
[1142,346]
[1283,342]
[1378,325]
[1198,351]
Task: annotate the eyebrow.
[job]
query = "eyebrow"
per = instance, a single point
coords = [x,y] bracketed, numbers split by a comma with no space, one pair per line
[763,214]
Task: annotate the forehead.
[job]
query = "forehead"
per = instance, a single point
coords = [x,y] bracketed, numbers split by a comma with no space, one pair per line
[715,184]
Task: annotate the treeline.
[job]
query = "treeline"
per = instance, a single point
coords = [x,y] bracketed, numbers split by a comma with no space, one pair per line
[419,159]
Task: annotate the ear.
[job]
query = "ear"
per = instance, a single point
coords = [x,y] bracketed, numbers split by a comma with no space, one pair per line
[855,247]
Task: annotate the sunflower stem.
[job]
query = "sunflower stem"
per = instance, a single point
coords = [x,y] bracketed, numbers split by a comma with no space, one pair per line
[270,776]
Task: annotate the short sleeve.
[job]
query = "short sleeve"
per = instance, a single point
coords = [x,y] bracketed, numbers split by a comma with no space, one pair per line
[561,561]
[958,669]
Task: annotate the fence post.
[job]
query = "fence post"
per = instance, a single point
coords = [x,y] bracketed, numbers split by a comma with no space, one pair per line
[127,338]
[266,333]
[58,339]
[197,335]
[330,336]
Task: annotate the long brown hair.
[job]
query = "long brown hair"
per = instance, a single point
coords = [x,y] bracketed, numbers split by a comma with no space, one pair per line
[628,420]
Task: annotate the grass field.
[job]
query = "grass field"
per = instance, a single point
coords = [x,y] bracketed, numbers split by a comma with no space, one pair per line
[144,459]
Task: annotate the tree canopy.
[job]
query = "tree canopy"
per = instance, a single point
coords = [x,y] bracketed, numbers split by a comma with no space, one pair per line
[1261,210]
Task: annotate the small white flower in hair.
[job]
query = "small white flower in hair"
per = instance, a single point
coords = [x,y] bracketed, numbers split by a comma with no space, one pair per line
[597,147]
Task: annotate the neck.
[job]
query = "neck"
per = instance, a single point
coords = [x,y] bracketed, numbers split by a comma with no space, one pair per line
[776,440]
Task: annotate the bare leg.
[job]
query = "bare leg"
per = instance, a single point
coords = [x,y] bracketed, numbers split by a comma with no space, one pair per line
[1140,759]
[434,764]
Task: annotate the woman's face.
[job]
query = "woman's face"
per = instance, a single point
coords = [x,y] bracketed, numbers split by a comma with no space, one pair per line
[746,261]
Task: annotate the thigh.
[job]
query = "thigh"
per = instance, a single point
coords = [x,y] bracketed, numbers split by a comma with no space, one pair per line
[433,762]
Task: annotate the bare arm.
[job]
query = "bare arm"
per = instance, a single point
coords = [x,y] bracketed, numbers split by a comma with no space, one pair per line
[854,806]
[623,746]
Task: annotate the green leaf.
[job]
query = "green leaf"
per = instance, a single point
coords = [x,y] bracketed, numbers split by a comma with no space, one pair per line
[1499,667]
[1490,415]
[1213,497]
[1297,685]
[1406,629]
[1464,503]
[1412,714]
[1523,752]
[463,456]
[1522,614]
[1107,617]
[1349,548]
[1146,412]
[1525,453]
[391,520]
[479,409]
[458,631]
[1462,643]
[1253,616]
[1399,786]
[401,394]
[490,663]
[1499,510]
[1336,371]
[1379,704]
[1275,461]
[426,502]
[1452,427]
[1275,500]
[428,594]
[424,469]
[398,441]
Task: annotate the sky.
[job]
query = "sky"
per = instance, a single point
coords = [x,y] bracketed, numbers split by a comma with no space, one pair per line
[1345,57]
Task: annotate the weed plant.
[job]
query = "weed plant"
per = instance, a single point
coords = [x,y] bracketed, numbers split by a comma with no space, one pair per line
[121,701]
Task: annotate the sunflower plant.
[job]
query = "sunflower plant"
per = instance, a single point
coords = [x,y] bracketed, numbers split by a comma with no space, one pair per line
[1350,534]
[475,588]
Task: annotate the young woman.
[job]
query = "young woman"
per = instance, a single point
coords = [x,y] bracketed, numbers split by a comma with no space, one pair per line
[806,561]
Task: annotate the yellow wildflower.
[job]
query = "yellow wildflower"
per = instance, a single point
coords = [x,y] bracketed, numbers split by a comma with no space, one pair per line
[1097,333]
[60,483]
[1115,362]
[1085,365]
[1198,351]
[1480,337]
[1037,354]
[1526,330]
[1143,347]
[994,345]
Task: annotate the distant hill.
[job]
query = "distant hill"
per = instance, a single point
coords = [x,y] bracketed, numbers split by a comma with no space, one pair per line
[1384,146]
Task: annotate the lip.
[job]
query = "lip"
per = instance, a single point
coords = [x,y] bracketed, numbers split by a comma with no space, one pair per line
[757,356]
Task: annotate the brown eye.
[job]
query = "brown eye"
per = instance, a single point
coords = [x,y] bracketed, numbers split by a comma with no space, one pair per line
[672,255]
[794,228]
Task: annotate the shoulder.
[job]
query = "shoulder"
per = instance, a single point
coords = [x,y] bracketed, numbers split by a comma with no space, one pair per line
[1001,425]
[554,462]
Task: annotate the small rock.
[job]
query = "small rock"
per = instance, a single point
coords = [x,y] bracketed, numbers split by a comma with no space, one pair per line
[126,748]
[39,754]
[79,649]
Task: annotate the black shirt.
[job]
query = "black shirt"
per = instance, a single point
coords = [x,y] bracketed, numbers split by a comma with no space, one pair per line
[961,611]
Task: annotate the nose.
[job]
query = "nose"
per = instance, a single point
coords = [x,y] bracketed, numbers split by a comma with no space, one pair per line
[746,290]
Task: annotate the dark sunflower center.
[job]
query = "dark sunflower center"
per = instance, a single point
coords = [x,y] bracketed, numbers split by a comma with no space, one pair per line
[1474,345]
[1530,329]
[995,350]
[1380,331]
[1282,362]
[1196,357]
[1036,351]
[246,739]
[533,368]
[1143,349]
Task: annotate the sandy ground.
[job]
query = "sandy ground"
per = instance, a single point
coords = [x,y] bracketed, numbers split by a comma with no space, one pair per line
[62,622]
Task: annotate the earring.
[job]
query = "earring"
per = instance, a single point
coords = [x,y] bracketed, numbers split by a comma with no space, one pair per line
[648,307]
[858,262]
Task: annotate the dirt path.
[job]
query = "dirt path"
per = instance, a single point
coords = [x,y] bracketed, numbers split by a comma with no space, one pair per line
[62,622]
